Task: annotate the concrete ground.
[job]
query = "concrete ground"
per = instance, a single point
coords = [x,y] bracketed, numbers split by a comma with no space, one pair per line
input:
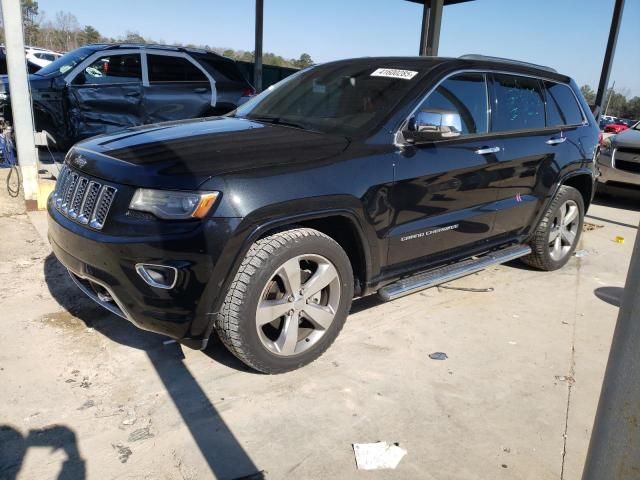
[86,395]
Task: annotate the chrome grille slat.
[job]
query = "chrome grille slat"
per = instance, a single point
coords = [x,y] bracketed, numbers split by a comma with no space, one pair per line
[103,205]
[82,199]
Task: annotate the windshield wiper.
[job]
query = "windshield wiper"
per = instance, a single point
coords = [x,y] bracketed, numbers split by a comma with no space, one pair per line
[279,121]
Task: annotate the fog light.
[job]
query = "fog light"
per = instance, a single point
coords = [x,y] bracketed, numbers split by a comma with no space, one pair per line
[159,276]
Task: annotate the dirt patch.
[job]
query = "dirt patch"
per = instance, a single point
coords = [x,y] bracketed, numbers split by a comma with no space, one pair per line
[588,227]
[63,320]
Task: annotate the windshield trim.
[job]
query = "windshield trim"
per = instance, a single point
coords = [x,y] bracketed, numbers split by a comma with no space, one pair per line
[54,67]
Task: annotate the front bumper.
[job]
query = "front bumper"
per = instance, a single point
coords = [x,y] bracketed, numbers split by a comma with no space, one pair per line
[103,266]
[618,168]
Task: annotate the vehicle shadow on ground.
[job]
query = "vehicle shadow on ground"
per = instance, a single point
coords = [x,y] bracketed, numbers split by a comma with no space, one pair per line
[622,199]
[218,445]
[14,447]
[610,295]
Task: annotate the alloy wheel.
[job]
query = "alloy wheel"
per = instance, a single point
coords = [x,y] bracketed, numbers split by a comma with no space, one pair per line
[298,304]
[564,230]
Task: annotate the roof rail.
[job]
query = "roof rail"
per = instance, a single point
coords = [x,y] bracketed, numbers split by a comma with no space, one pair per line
[506,60]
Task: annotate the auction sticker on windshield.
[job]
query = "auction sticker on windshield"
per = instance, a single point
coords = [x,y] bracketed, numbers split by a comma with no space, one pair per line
[394,73]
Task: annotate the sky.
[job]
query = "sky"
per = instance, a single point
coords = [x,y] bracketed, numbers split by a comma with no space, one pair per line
[569,35]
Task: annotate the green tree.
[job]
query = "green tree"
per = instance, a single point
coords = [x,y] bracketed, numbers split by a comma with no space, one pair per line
[90,35]
[588,94]
[632,109]
[134,37]
[615,103]
[304,61]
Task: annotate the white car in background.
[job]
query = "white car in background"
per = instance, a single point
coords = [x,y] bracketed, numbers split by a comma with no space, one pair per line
[41,56]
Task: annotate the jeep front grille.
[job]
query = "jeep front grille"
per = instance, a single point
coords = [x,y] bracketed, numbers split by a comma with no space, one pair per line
[82,199]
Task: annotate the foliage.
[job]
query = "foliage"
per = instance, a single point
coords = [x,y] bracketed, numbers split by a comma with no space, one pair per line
[616,102]
[64,33]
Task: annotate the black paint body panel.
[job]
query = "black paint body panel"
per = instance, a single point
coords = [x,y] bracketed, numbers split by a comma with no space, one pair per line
[401,200]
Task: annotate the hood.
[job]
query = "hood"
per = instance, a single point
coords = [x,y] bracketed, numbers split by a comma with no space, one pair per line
[630,138]
[35,82]
[184,154]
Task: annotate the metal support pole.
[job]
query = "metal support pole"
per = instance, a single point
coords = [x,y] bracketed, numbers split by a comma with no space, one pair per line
[613,89]
[433,31]
[614,451]
[257,65]
[608,57]
[21,101]
[425,28]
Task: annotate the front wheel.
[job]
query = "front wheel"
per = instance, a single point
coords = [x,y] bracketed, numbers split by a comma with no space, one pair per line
[558,233]
[288,301]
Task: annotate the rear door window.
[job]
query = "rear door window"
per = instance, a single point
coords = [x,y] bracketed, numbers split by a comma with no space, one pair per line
[112,69]
[466,95]
[167,68]
[562,106]
[518,104]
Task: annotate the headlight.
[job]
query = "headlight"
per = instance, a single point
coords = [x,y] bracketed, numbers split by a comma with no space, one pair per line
[606,146]
[172,205]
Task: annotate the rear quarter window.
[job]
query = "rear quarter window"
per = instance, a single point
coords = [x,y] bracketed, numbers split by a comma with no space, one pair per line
[518,104]
[222,70]
[562,106]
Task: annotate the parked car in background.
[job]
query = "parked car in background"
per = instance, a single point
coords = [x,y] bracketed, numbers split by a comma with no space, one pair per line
[616,127]
[385,175]
[619,159]
[606,120]
[101,88]
[32,67]
[41,56]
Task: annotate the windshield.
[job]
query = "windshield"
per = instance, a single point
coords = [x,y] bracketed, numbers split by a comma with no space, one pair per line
[342,98]
[67,61]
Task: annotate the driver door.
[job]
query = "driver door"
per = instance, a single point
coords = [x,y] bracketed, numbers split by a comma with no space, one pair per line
[106,95]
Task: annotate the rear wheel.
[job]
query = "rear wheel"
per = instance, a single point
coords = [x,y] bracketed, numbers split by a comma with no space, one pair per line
[288,301]
[558,233]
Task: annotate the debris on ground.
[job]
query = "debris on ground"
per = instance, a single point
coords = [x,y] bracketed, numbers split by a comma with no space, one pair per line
[588,227]
[438,356]
[131,417]
[619,239]
[565,378]
[87,404]
[378,456]
[124,452]
[467,289]
[581,253]
[140,434]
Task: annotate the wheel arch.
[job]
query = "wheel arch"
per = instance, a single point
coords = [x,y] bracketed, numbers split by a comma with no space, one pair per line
[583,182]
[341,225]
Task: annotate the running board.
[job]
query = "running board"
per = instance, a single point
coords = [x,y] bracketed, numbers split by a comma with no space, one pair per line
[431,278]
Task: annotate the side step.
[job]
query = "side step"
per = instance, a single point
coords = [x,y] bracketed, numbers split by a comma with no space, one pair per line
[431,278]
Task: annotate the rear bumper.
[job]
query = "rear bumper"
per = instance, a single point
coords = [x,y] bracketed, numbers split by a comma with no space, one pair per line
[103,267]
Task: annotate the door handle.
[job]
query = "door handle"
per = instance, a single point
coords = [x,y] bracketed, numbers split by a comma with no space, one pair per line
[200,90]
[487,150]
[133,94]
[556,141]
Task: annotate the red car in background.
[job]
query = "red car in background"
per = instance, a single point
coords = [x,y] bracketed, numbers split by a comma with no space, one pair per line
[618,125]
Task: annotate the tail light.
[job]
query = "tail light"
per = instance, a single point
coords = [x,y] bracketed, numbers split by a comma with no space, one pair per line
[248,92]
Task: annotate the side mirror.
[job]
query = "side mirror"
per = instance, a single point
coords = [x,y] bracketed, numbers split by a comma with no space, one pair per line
[431,125]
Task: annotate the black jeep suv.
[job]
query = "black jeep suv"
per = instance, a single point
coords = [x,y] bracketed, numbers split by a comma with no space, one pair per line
[385,175]
[102,88]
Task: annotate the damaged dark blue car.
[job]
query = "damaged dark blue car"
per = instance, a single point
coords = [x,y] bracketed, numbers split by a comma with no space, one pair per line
[102,88]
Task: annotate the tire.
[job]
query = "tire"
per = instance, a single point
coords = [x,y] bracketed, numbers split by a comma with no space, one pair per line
[305,322]
[556,229]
